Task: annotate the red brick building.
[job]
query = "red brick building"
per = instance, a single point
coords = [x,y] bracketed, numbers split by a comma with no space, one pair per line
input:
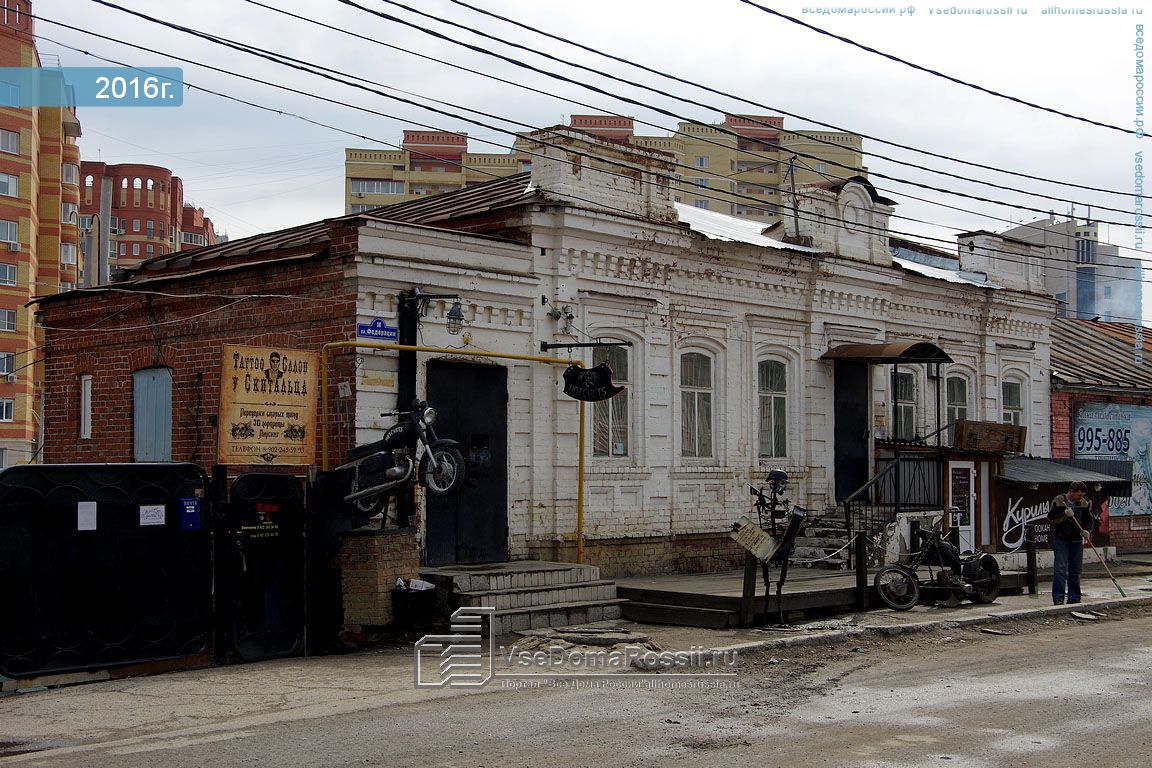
[39,234]
[1102,409]
[140,213]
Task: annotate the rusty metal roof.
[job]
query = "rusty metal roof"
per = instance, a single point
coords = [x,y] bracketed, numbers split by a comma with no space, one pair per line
[480,198]
[1088,354]
[311,235]
[894,352]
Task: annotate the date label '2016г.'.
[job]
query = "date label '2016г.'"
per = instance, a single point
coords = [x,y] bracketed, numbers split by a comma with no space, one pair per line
[119,88]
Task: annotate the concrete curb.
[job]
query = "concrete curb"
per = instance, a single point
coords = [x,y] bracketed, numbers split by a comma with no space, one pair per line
[842,635]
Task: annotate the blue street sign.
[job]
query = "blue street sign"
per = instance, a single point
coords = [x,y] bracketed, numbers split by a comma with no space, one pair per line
[377,330]
[190,514]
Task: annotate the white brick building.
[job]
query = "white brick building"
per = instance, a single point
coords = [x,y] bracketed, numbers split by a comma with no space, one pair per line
[724,376]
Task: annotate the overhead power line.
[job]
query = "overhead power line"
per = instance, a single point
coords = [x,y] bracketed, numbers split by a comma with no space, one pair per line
[936,73]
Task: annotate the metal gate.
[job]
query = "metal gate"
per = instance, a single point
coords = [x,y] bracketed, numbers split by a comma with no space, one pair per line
[102,565]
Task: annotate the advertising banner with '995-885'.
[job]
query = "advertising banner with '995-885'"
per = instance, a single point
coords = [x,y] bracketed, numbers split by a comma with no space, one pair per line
[268,406]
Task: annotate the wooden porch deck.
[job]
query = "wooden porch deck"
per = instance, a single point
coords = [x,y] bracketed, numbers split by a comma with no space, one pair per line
[713,599]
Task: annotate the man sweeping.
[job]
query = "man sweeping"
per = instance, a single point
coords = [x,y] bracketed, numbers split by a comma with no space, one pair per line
[1071,517]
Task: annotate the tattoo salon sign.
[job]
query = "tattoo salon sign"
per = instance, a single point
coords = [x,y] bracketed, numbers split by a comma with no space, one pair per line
[268,406]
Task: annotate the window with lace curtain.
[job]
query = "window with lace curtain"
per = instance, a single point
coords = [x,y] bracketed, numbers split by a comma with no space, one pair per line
[695,405]
[610,433]
[772,386]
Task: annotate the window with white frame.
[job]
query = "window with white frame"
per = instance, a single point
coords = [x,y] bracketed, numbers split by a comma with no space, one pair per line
[610,426]
[772,386]
[7,364]
[7,409]
[85,407]
[69,213]
[70,173]
[701,161]
[9,142]
[956,398]
[8,274]
[135,249]
[695,405]
[905,398]
[700,181]
[9,232]
[7,319]
[377,187]
[700,204]
[67,253]
[135,225]
[1012,402]
[9,185]
[66,286]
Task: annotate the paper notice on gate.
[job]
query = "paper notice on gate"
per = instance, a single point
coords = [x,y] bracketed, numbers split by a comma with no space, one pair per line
[85,515]
[753,538]
[151,514]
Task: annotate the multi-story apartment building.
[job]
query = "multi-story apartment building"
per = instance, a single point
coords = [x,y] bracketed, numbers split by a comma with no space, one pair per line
[738,167]
[140,213]
[1091,279]
[39,234]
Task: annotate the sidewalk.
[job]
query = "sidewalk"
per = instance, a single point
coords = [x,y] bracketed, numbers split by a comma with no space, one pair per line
[1133,573]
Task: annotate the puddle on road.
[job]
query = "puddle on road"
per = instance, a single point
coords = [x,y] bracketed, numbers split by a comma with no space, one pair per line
[10,748]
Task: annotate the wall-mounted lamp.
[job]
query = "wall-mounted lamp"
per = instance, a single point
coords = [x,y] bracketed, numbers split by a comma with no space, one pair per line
[455,318]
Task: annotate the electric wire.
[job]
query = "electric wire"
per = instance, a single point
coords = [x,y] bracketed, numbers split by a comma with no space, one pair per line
[935,73]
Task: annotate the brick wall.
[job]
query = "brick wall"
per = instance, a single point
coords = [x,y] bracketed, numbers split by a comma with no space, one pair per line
[182,324]
[695,553]
[370,563]
[1126,533]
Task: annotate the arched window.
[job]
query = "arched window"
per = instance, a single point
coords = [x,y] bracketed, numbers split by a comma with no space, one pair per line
[136,183]
[1012,399]
[956,397]
[88,181]
[124,183]
[772,389]
[151,185]
[610,418]
[905,397]
[696,390]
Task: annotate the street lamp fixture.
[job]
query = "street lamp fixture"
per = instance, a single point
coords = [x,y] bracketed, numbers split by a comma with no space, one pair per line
[455,319]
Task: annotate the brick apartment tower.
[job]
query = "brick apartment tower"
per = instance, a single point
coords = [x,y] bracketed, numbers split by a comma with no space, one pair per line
[39,234]
[140,211]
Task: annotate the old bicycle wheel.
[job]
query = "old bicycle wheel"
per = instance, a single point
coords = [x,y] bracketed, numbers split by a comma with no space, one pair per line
[897,588]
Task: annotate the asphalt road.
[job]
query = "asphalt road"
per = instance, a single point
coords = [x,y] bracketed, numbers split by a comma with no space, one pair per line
[1054,691]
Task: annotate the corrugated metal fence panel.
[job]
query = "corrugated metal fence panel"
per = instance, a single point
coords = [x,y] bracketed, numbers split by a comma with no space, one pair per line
[102,565]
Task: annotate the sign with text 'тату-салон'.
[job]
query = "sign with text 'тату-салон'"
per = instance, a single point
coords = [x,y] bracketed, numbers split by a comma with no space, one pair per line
[268,406]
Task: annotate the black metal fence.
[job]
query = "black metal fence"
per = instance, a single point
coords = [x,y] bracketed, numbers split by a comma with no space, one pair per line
[904,482]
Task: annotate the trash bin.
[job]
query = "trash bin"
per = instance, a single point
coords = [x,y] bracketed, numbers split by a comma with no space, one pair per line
[414,608]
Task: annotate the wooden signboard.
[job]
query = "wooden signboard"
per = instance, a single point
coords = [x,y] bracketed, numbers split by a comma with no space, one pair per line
[268,406]
[753,538]
[989,436]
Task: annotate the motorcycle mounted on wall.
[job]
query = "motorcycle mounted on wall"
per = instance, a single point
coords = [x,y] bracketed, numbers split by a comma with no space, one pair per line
[949,576]
[377,470]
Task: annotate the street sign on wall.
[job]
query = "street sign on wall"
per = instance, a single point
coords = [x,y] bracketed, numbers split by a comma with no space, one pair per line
[267,406]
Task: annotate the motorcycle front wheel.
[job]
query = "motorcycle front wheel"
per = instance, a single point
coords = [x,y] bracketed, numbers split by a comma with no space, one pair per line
[985,579]
[897,588]
[447,478]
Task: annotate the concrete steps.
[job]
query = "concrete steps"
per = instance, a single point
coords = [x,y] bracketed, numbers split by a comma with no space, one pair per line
[530,594]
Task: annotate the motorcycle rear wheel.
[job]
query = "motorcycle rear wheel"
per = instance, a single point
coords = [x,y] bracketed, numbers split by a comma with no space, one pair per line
[449,476]
[985,579]
[371,505]
[897,587]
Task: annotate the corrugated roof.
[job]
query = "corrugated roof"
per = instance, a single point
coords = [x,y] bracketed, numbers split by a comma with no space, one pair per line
[718,226]
[1089,354]
[313,234]
[476,199]
[950,275]
[1024,470]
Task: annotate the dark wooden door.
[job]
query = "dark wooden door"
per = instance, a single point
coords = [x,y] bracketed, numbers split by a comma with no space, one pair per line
[472,403]
[852,395]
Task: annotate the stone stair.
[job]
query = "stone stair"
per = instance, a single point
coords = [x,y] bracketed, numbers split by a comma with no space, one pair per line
[821,544]
[530,594]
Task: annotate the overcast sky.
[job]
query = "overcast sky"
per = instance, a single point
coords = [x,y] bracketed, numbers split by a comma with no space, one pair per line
[255,171]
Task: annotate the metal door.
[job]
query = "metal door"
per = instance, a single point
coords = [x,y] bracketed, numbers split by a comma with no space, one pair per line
[266,579]
[852,395]
[472,402]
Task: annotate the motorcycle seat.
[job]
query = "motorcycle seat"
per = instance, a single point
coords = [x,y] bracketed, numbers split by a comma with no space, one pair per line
[360,451]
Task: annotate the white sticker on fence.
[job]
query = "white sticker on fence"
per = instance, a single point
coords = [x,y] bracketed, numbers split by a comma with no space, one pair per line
[152,514]
[85,515]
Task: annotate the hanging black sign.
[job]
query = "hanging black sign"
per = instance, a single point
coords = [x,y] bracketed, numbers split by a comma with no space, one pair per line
[590,384]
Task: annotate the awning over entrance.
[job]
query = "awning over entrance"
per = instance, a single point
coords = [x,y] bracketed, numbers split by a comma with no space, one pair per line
[897,352]
[1024,471]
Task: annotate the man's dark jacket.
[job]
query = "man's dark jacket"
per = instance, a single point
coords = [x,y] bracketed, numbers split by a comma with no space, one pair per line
[1062,527]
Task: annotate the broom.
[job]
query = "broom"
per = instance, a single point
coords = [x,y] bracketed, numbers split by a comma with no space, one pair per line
[1088,538]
